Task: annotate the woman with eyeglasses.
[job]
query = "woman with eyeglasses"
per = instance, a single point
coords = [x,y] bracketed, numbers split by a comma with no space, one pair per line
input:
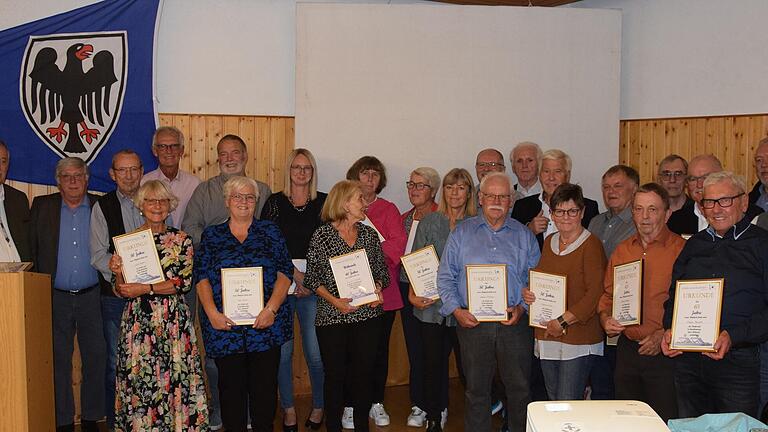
[422,186]
[570,342]
[296,210]
[247,356]
[159,383]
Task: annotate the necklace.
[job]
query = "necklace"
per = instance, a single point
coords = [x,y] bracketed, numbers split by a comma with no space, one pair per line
[300,208]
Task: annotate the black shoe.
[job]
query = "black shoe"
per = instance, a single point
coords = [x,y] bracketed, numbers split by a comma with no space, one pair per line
[290,428]
[434,426]
[66,428]
[312,425]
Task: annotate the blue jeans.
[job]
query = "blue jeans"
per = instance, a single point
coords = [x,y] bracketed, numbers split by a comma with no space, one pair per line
[567,379]
[601,375]
[306,309]
[112,316]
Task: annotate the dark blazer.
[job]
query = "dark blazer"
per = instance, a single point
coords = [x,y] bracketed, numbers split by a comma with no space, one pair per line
[754,194]
[527,208]
[44,233]
[685,221]
[17,211]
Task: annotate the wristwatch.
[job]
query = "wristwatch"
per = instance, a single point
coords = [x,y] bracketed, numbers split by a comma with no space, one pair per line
[563,323]
[151,289]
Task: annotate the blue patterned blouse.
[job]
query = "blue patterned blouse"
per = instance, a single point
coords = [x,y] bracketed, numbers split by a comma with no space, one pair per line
[263,247]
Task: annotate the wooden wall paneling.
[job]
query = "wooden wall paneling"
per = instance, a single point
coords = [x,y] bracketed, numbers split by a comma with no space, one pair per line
[624,143]
[214,131]
[197,153]
[261,157]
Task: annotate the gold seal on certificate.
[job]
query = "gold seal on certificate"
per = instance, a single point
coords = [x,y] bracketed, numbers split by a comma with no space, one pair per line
[421,268]
[487,292]
[242,294]
[550,290]
[353,277]
[696,317]
[628,292]
[141,263]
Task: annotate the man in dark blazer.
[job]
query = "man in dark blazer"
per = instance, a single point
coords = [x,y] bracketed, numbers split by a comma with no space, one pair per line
[759,194]
[14,224]
[533,211]
[60,241]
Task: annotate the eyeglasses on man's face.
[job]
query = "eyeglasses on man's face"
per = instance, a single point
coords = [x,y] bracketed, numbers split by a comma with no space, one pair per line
[494,197]
[669,175]
[723,202]
[125,170]
[168,147]
[489,165]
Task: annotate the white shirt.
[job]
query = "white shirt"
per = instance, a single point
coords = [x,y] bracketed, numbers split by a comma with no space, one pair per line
[182,186]
[703,224]
[8,252]
[547,213]
[522,192]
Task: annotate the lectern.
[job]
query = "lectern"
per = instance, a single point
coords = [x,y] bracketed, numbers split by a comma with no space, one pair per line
[26,353]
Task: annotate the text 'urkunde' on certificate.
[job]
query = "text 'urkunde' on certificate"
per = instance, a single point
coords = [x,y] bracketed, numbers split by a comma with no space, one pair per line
[352,273]
[421,267]
[141,264]
[242,294]
[487,292]
[696,317]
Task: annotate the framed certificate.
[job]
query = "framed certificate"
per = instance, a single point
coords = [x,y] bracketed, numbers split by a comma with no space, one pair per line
[421,268]
[353,277]
[487,292]
[696,317]
[141,264]
[242,294]
[550,290]
[628,293]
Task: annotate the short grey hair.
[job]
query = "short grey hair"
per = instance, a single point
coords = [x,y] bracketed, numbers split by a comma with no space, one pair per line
[157,188]
[168,130]
[433,178]
[720,176]
[239,182]
[527,144]
[494,175]
[70,162]
[559,155]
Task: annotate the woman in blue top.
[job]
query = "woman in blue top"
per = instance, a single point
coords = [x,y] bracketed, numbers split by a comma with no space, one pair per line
[247,356]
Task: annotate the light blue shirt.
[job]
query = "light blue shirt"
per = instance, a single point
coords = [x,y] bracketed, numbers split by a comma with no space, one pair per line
[475,242]
[74,271]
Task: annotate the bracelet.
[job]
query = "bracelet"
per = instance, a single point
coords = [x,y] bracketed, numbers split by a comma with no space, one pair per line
[151,289]
[270,309]
[563,323]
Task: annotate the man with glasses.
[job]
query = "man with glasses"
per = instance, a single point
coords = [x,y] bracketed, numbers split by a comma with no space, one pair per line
[759,194]
[168,148]
[728,379]
[488,161]
[491,238]
[672,175]
[60,241]
[14,216]
[112,215]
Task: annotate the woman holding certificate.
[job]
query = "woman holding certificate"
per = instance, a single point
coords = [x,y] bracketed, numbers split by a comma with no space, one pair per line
[346,269]
[438,333]
[159,384]
[244,271]
[568,278]
[296,210]
[383,217]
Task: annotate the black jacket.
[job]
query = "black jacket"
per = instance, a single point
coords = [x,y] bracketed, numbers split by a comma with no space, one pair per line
[527,208]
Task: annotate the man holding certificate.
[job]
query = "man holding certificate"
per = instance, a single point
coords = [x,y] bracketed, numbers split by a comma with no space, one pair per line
[639,271]
[477,252]
[725,376]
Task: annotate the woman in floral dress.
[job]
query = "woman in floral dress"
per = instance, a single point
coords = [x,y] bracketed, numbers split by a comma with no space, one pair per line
[160,384]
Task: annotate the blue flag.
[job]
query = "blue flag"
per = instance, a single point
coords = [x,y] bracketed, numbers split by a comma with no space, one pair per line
[81,84]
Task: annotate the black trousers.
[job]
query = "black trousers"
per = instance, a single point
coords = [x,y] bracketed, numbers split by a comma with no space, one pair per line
[650,379]
[349,353]
[248,383]
[437,343]
[381,368]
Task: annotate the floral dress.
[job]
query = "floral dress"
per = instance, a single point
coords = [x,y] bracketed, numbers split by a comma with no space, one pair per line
[160,383]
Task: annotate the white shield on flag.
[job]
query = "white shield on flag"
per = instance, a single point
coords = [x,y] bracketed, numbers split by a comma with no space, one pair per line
[71,89]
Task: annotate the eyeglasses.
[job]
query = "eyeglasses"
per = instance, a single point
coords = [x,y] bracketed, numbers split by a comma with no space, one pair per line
[157,201]
[572,212]
[247,198]
[125,170]
[669,175]
[66,178]
[692,179]
[493,197]
[722,202]
[302,168]
[489,164]
[168,147]
[418,186]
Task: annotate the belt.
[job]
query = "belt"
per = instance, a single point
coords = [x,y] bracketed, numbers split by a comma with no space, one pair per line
[78,291]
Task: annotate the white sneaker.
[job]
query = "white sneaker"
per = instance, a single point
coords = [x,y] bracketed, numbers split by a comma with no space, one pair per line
[348,418]
[443,418]
[416,417]
[379,415]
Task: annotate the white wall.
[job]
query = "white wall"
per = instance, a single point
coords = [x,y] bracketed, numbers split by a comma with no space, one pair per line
[691,57]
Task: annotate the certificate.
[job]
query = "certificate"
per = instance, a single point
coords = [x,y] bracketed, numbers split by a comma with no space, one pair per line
[550,290]
[628,293]
[696,317]
[141,263]
[421,268]
[353,277]
[487,292]
[242,294]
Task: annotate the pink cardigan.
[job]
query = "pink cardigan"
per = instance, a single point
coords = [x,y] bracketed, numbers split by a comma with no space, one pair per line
[385,216]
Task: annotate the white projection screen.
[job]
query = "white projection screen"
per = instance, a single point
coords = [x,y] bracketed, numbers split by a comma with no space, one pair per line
[431,85]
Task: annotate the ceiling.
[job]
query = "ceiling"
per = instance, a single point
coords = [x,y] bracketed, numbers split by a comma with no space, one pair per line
[509,2]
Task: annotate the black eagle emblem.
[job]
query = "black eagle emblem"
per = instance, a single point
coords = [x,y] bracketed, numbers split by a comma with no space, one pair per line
[72,95]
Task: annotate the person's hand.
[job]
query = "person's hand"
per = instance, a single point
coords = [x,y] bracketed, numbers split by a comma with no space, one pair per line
[131,290]
[514,313]
[380,300]
[343,305]
[298,279]
[665,342]
[722,346]
[554,329]
[265,319]
[219,321]
[539,223]
[116,264]
[612,327]
[651,344]
[528,296]
[465,318]
[420,303]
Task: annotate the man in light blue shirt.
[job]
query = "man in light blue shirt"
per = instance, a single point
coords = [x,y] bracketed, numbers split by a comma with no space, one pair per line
[491,238]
